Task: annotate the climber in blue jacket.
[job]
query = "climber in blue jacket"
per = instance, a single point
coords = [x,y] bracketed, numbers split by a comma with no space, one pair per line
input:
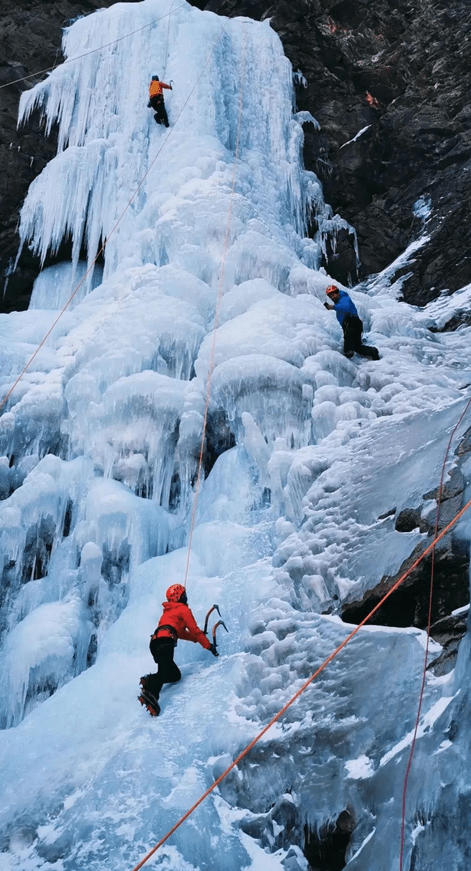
[351,324]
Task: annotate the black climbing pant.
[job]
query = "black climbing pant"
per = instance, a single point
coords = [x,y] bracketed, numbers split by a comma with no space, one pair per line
[167,671]
[352,329]
[158,105]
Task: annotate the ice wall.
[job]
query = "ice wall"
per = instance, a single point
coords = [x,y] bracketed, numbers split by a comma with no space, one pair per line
[108,141]
[308,455]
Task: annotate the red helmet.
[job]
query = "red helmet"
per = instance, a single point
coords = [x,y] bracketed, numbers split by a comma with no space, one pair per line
[175,593]
[331,289]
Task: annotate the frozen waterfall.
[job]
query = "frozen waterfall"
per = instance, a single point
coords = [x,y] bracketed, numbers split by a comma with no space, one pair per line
[308,458]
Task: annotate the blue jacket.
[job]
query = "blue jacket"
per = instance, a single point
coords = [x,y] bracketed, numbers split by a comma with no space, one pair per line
[345,306]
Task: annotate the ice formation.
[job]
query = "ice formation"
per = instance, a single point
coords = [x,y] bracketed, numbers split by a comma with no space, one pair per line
[307,457]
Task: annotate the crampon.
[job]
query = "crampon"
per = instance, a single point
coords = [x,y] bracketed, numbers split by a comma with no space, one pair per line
[150,702]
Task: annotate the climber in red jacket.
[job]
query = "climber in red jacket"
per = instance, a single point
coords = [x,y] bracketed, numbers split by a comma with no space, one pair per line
[176,622]
[156,100]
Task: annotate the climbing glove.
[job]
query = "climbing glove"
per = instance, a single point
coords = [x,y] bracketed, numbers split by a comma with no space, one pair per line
[213,650]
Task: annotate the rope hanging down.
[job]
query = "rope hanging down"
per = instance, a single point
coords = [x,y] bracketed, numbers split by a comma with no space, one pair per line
[431,547]
[217,313]
[168,35]
[303,688]
[118,221]
[427,645]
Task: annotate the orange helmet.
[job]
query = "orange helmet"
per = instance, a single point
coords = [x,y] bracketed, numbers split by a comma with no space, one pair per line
[175,593]
[331,289]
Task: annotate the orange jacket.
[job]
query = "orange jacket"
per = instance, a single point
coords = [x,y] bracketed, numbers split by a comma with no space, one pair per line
[179,617]
[155,88]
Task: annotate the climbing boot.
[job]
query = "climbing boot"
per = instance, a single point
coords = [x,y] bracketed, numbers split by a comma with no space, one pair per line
[150,702]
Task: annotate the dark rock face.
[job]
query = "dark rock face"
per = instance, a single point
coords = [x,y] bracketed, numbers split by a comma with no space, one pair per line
[410,603]
[448,632]
[30,39]
[399,68]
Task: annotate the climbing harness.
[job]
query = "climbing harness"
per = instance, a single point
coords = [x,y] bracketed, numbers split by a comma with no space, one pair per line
[118,221]
[429,549]
[170,629]
[303,688]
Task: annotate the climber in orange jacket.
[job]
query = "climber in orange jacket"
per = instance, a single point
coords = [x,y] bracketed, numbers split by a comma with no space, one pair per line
[156,100]
[176,622]
[372,101]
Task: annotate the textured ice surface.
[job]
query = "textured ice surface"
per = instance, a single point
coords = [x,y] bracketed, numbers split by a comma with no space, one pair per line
[55,285]
[308,455]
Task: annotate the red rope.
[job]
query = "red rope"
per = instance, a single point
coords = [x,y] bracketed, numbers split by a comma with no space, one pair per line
[429,621]
[304,687]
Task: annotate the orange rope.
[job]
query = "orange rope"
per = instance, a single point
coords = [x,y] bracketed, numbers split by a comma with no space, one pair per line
[429,621]
[79,285]
[216,317]
[303,688]
[430,548]
[92,51]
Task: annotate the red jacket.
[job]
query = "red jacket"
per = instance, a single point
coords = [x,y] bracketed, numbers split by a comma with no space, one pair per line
[179,617]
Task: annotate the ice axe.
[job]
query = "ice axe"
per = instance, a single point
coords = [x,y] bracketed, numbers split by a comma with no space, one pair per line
[208,615]
[219,623]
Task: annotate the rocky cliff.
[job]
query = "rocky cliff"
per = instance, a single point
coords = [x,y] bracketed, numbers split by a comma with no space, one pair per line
[30,39]
[389,82]
[399,71]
